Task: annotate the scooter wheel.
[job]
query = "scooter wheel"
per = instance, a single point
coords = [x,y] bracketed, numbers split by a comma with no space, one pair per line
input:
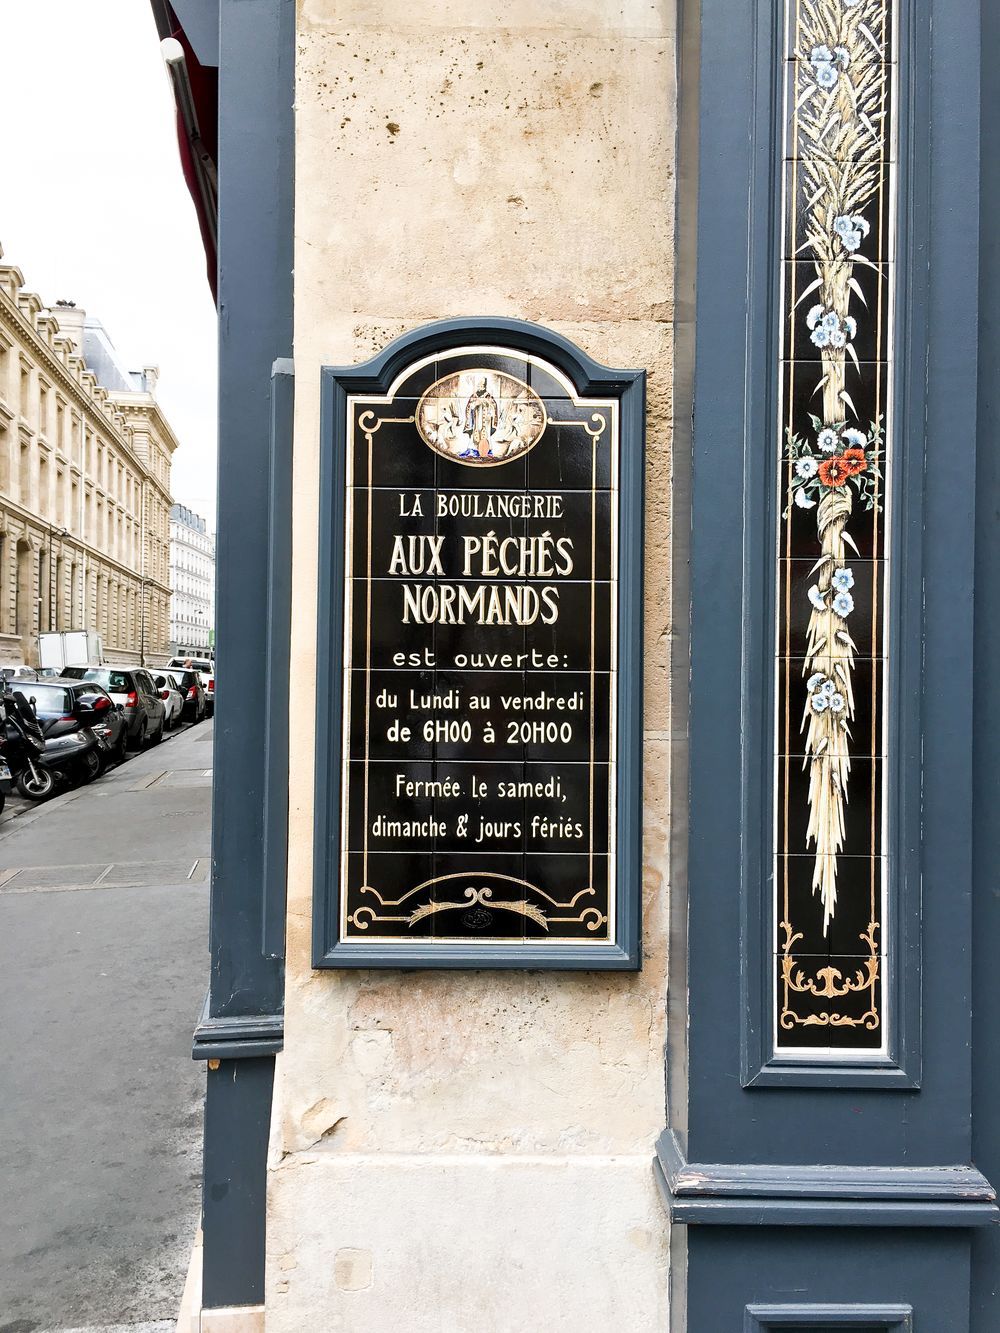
[35,786]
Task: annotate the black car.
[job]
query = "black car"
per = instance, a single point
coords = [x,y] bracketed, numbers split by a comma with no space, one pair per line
[65,709]
[133,688]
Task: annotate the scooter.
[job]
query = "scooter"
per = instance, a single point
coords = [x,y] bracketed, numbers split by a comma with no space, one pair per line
[68,758]
[6,777]
[23,748]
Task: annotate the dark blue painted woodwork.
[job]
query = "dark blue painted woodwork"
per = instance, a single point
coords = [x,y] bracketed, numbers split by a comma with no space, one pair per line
[242,1026]
[872,1160]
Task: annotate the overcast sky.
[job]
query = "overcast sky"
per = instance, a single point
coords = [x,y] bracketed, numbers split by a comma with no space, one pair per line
[93,205]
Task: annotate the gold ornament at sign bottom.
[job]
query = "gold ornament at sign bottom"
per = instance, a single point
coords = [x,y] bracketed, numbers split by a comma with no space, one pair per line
[591,917]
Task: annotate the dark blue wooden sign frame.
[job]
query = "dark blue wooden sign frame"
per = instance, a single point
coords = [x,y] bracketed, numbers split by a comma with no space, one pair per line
[375,377]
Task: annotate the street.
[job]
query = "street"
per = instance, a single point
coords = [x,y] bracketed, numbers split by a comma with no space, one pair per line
[103,969]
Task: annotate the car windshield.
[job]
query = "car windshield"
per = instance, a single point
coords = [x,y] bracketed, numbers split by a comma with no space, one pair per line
[114,681]
[49,700]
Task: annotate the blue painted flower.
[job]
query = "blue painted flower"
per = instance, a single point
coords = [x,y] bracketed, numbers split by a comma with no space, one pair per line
[855,439]
[831,320]
[837,703]
[820,703]
[802,499]
[828,689]
[820,337]
[827,439]
[843,224]
[821,55]
[843,604]
[814,316]
[817,599]
[838,339]
[826,76]
[815,681]
[843,579]
[851,241]
[806,467]
[851,325]
[842,56]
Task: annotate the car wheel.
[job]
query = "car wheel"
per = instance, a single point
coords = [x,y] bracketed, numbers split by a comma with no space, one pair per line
[140,735]
[121,749]
[35,786]
[158,735]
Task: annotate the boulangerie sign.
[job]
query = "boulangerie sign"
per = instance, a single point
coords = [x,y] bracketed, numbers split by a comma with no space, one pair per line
[478,666]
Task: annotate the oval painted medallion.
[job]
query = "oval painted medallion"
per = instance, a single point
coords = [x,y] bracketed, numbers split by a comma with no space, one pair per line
[480,418]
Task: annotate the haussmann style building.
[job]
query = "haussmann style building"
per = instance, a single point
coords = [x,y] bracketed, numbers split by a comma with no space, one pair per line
[604,927]
[84,485]
[192,583]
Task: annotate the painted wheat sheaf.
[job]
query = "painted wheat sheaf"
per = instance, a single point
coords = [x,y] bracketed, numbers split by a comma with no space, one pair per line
[840,93]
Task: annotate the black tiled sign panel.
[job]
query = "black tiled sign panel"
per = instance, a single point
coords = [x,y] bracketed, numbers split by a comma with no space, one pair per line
[833,557]
[479,662]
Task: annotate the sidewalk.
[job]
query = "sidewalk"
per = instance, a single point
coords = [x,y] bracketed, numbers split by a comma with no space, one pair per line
[103,967]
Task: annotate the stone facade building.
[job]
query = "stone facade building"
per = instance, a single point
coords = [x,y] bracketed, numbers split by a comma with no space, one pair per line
[192,582]
[85,499]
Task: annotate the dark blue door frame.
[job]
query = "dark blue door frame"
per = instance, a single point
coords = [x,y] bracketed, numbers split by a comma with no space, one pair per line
[241,1028]
[851,1196]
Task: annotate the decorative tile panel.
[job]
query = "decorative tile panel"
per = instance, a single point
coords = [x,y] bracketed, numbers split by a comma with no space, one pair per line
[837,278]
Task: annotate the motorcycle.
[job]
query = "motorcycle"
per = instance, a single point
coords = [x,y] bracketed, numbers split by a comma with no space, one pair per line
[6,778]
[39,763]
[23,748]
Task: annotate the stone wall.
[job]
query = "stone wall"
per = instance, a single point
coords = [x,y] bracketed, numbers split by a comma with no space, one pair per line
[471,1151]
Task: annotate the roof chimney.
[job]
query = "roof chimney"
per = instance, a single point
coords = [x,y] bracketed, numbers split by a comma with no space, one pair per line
[70,317]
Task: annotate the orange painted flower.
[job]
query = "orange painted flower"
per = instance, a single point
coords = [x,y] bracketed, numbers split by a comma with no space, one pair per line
[854,460]
[834,472]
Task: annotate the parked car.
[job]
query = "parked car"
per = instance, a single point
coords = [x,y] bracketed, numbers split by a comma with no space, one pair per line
[192,692]
[133,688]
[205,668]
[82,727]
[173,699]
[18,671]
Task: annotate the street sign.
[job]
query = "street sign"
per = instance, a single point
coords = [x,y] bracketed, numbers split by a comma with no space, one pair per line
[480,686]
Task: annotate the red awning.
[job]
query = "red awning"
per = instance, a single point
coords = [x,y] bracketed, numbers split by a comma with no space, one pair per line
[196,94]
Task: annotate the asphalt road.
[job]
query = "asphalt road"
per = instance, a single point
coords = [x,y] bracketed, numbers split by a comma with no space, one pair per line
[103,968]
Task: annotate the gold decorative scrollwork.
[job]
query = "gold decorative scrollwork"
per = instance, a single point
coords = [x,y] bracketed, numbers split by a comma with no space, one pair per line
[829,983]
[591,917]
[371,424]
[482,897]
